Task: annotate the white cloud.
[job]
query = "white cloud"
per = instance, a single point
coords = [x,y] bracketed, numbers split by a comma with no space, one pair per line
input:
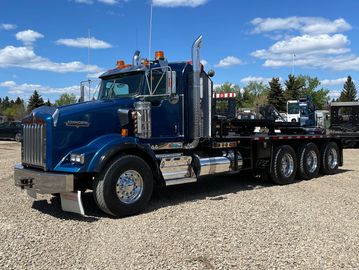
[24,57]
[204,62]
[84,43]
[108,2]
[306,44]
[28,88]
[320,51]
[90,2]
[333,82]
[307,25]
[229,61]
[25,90]
[28,36]
[7,84]
[94,75]
[249,79]
[179,3]
[7,26]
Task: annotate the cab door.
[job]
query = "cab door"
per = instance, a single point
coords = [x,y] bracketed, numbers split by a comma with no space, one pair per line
[165,109]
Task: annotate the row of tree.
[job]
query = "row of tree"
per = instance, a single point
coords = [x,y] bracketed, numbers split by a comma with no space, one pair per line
[17,109]
[253,94]
[258,93]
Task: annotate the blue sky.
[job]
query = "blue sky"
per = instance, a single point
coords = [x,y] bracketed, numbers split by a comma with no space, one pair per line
[44,43]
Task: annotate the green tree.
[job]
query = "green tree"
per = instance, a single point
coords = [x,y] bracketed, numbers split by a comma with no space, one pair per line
[276,95]
[293,88]
[48,103]
[349,92]
[19,101]
[35,101]
[228,87]
[254,94]
[311,87]
[17,111]
[66,99]
[5,103]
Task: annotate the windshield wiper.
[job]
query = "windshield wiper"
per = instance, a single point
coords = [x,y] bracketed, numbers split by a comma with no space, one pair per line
[110,91]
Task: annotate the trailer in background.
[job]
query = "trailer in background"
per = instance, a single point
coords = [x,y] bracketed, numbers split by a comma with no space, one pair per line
[344,122]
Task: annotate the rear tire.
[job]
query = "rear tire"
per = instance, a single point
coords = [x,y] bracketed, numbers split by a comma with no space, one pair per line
[308,161]
[284,165]
[330,158]
[124,187]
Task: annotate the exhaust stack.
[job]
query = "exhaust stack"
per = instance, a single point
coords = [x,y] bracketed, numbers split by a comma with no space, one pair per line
[195,105]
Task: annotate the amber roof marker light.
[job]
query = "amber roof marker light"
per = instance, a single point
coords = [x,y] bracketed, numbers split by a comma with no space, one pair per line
[159,55]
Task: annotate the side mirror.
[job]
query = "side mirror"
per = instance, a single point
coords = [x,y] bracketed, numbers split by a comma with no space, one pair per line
[171,82]
[211,73]
[82,93]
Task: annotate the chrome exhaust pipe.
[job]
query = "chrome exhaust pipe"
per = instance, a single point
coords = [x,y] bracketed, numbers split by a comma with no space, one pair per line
[195,105]
[136,60]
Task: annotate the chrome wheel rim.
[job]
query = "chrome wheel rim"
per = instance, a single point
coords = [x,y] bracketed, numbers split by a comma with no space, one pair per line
[129,187]
[312,161]
[287,165]
[332,158]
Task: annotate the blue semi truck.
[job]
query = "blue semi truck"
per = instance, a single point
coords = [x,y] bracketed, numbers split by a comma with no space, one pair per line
[155,124]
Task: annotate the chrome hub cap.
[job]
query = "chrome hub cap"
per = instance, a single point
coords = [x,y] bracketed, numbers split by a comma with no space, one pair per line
[312,161]
[332,158]
[129,187]
[287,166]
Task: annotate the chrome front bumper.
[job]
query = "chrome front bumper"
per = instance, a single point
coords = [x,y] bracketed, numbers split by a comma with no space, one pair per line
[43,182]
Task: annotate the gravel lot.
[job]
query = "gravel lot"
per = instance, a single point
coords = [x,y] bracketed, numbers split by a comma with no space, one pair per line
[231,222]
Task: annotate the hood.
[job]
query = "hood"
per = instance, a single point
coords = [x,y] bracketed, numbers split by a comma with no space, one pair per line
[73,126]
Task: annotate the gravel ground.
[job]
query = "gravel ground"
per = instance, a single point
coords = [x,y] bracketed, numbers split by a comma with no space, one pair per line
[231,222]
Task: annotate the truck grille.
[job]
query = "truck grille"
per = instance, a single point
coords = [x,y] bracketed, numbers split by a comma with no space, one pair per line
[34,145]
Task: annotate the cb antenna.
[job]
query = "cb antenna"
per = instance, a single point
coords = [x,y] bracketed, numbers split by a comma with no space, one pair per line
[88,60]
[150,35]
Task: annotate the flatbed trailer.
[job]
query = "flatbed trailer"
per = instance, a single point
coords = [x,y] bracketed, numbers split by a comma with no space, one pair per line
[154,124]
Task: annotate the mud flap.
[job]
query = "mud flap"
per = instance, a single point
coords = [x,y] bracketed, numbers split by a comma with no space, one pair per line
[71,202]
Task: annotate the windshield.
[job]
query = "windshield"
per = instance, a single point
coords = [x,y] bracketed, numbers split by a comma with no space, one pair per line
[293,108]
[126,85]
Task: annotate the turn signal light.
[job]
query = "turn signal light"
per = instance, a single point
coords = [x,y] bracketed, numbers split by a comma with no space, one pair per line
[124,132]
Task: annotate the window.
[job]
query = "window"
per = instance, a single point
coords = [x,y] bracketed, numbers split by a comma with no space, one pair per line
[125,85]
[158,82]
[293,108]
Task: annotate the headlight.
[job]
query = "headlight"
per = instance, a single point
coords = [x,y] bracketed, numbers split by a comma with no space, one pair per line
[77,158]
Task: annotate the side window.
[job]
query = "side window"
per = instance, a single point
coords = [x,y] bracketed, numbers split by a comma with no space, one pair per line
[2,125]
[158,83]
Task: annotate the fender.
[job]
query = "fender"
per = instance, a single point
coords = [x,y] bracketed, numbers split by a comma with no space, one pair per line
[98,152]
[143,151]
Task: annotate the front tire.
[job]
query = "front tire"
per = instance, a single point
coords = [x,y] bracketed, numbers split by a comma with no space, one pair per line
[330,158]
[125,186]
[308,161]
[284,165]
